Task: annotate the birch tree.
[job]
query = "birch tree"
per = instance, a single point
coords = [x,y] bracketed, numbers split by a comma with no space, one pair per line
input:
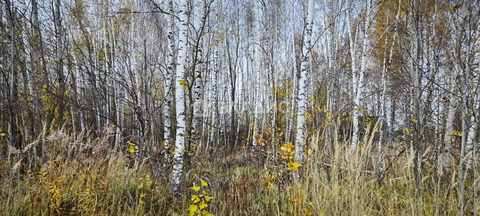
[360,83]
[463,67]
[302,94]
[167,106]
[472,134]
[14,139]
[60,56]
[416,76]
[180,96]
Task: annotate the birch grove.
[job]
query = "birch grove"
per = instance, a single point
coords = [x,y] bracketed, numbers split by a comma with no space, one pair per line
[290,93]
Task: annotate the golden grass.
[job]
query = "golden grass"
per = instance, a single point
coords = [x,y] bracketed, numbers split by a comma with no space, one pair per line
[81,179]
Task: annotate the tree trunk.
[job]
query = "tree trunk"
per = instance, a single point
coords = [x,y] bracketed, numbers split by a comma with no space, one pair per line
[168,95]
[60,76]
[302,95]
[415,74]
[359,86]
[464,67]
[180,96]
[14,140]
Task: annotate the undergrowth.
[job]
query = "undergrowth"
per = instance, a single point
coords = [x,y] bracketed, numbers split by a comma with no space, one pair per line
[78,178]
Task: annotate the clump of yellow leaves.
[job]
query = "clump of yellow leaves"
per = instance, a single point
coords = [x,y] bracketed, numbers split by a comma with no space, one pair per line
[133,147]
[293,166]
[200,200]
[297,198]
[456,133]
[268,178]
[287,153]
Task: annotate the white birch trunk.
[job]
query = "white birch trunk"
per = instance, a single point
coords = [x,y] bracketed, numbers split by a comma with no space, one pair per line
[291,108]
[167,105]
[180,96]
[302,96]
[359,87]
[198,89]
[471,137]
[352,42]
[447,140]
[256,58]
[473,124]
[465,18]
[382,108]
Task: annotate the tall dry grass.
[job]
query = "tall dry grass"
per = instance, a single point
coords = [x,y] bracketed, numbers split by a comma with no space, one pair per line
[82,176]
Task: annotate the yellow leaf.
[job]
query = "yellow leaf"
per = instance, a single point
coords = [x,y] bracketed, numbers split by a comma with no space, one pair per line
[207,214]
[195,188]
[195,199]
[454,8]
[183,83]
[192,209]
[294,166]
[204,183]
[140,186]
[208,198]
[407,131]
[202,205]
[457,133]
[132,149]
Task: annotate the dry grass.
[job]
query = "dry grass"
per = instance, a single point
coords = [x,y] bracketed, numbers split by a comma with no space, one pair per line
[85,177]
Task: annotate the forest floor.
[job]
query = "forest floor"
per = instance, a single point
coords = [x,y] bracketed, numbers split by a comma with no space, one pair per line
[81,179]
